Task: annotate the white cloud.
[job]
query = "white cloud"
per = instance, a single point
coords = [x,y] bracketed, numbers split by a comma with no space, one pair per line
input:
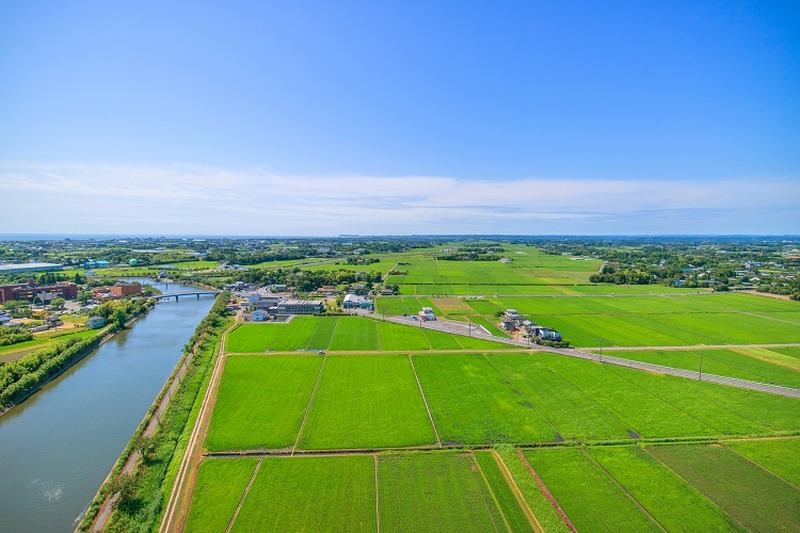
[185,199]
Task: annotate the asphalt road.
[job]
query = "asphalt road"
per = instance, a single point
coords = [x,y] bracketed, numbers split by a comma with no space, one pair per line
[459,328]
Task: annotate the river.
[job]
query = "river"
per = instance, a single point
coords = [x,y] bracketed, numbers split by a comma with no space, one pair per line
[57,447]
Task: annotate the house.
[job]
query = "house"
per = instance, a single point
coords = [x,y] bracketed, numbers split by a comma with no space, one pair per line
[358,288]
[549,334]
[508,324]
[353,301]
[95,322]
[426,315]
[259,315]
[512,314]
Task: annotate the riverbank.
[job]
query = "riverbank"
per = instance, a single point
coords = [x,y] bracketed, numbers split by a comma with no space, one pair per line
[135,492]
[21,379]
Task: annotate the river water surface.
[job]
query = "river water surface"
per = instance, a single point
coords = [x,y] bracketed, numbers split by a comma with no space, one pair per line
[57,447]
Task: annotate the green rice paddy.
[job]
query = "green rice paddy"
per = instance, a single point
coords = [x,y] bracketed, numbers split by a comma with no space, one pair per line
[399,428]
[346,334]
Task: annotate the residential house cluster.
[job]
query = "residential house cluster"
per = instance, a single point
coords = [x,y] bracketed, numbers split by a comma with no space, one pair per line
[513,321]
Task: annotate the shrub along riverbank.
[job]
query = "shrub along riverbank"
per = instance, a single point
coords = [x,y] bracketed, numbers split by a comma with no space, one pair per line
[19,379]
[144,492]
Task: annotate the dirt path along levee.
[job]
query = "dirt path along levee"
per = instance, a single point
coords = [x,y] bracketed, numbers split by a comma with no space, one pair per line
[178,504]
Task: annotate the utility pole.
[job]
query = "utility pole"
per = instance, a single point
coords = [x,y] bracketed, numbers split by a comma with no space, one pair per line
[701,366]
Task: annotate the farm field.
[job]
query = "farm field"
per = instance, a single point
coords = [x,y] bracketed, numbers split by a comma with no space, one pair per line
[701,487]
[439,491]
[777,456]
[311,494]
[189,265]
[633,320]
[738,486]
[365,402]
[219,487]
[756,364]
[262,401]
[527,266]
[662,494]
[588,496]
[436,492]
[374,402]
[480,289]
[346,334]
[401,428]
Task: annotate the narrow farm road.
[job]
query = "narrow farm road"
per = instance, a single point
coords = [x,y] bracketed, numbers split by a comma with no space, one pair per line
[177,504]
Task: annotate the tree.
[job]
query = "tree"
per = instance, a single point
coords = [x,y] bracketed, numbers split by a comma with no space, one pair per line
[125,486]
[57,303]
[84,296]
[118,318]
[18,308]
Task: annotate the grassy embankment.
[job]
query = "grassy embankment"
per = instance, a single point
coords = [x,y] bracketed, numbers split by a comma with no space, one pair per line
[143,493]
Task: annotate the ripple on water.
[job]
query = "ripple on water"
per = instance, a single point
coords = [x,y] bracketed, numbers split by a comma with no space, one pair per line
[48,490]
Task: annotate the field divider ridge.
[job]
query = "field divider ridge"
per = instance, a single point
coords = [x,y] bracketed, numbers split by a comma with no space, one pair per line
[671,404]
[759,465]
[310,402]
[526,509]
[244,496]
[491,493]
[425,402]
[377,497]
[596,464]
[547,494]
[522,394]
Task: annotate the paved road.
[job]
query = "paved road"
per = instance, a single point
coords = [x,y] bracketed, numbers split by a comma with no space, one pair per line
[459,328]
[691,347]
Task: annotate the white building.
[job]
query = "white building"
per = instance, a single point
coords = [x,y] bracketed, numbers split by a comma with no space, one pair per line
[426,314]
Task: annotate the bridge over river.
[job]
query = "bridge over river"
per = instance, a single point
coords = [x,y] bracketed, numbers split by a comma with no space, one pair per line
[177,295]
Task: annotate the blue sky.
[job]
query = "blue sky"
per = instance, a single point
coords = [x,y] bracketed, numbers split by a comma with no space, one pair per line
[322,118]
